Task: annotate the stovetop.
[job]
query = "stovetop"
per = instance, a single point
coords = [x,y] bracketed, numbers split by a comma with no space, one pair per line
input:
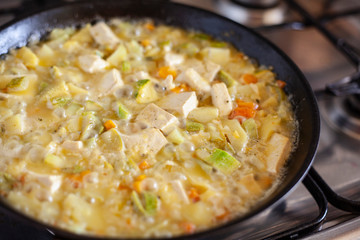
[337,159]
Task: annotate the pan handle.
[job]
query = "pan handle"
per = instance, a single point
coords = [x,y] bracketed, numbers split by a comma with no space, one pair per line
[333,198]
[316,192]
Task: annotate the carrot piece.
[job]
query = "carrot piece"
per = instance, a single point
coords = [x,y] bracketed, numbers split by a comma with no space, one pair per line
[188,227]
[249,78]
[79,177]
[223,216]
[137,182]
[181,88]
[280,84]
[165,71]
[123,187]
[244,109]
[109,124]
[140,177]
[145,42]
[194,195]
[150,26]
[137,186]
[144,165]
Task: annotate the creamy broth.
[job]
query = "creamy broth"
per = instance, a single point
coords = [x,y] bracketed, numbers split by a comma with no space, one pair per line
[132,129]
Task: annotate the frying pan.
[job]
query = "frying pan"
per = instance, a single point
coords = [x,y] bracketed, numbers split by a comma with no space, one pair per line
[19,32]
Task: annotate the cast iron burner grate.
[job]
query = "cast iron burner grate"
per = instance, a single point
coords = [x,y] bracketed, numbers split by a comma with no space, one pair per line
[317,187]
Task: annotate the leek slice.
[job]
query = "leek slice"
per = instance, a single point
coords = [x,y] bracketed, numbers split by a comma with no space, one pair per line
[226,78]
[223,161]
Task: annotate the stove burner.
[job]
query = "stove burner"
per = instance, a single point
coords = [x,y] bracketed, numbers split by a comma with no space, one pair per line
[343,114]
[253,13]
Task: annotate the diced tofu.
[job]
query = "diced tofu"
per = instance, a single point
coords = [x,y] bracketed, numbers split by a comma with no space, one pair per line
[183,103]
[217,55]
[92,63]
[158,118]
[195,80]
[221,98]
[137,76]
[103,35]
[15,124]
[148,141]
[168,83]
[207,69]
[52,182]
[75,146]
[251,185]
[210,70]
[110,81]
[179,189]
[173,59]
[278,151]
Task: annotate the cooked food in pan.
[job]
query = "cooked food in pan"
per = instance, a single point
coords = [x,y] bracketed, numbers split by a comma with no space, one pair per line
[133,129]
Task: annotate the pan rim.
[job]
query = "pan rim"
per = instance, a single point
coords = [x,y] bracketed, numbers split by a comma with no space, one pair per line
[296,179]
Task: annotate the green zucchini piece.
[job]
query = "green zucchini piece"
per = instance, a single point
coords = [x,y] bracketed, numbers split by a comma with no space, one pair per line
[73,108]
[226,78]
[60,101]
[150,203]
[88,123]
[194,126]
[145,91]
[223,161]
[18,84]
[125,66]
[121,111]
[218,44]
[250,127]
[137,202]
[175,137]
[54,160]
[93,106]
[201,36]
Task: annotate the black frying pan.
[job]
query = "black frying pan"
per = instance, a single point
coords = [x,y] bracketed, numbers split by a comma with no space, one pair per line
[18,33]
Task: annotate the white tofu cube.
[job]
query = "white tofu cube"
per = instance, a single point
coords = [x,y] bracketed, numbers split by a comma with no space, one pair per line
[210,70]
[92,63]
[137,76]
[278,151]
[173,59]
[207,69]
[183,103]
[52,182]
[221,98]
[158,118]
[110,81]
[75,146]
[168,83]
[148,141]
[217,55]
[179,189]
[103,35]
[195,80]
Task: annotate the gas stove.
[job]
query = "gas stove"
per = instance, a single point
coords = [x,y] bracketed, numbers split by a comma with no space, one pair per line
[320,36]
